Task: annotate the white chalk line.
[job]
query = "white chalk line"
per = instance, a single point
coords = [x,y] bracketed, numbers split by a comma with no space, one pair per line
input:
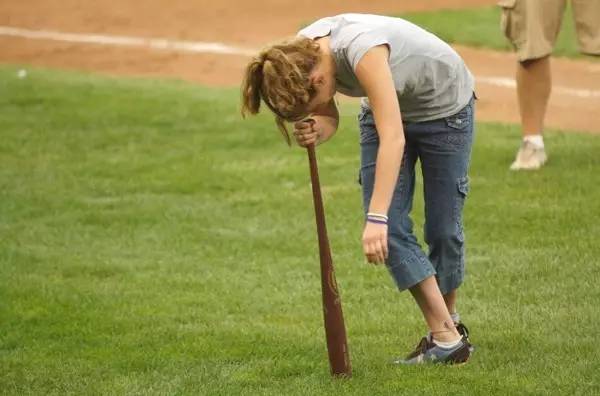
[510,83]
[218,48]
[126,41]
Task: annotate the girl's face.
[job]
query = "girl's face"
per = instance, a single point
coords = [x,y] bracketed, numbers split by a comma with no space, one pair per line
[323,80]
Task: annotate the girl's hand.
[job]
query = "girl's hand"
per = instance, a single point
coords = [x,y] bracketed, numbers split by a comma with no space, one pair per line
[305,132]
[375,242]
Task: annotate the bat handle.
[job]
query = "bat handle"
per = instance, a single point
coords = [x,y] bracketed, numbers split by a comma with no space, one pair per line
[314,178]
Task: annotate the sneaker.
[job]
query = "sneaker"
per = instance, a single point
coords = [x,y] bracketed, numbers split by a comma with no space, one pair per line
[421,348]
[464,332]
[427,352]
[529,157]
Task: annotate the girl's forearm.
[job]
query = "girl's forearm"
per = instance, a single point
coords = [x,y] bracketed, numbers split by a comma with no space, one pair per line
[327,128]
[327,118]
[387,168]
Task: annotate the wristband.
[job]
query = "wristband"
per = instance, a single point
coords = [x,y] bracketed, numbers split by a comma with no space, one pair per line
[377,218]
[377,215]
[376,221]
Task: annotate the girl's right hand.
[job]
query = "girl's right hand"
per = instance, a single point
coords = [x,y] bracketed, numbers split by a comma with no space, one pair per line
[305,132]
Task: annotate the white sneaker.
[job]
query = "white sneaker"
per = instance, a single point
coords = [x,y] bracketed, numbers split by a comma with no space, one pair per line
[529,157]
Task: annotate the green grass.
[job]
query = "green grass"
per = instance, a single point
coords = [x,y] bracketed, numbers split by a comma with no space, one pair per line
[152,242]
[480,27]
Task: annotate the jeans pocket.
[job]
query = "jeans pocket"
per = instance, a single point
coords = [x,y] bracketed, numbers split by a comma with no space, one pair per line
[463,186]
[460,120]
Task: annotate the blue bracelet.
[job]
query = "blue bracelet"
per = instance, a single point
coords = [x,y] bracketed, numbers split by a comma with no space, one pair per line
[376,220]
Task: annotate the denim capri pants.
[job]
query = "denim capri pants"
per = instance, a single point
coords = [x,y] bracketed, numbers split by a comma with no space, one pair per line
[443,147]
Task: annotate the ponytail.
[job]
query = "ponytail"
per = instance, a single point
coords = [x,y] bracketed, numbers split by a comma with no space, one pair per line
[279,76]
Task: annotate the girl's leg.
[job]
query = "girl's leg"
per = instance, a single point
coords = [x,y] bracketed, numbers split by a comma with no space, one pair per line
[407,263]
[445,149]
[428,297]
[450,300]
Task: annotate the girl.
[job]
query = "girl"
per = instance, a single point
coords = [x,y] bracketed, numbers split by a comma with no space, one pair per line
[417,103]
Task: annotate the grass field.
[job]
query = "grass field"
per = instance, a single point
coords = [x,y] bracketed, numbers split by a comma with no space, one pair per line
[480,27]
[152,242]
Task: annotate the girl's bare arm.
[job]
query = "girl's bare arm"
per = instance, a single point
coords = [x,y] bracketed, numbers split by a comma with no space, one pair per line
[375,77]
[320,127]
[326,121]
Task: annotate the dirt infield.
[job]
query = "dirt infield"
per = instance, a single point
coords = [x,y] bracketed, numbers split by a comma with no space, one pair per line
[251,25]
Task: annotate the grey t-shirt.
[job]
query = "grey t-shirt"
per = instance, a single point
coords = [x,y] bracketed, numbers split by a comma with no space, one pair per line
[431,79]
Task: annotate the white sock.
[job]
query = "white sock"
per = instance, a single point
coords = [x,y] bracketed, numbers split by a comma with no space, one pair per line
[447,345]
[536,140]
[455,317]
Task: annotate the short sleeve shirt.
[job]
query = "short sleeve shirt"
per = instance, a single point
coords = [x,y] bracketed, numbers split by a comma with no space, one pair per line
[431,79]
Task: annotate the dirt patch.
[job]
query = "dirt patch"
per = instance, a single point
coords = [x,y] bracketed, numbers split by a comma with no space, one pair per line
[236,21]
[566,110]
[252,24]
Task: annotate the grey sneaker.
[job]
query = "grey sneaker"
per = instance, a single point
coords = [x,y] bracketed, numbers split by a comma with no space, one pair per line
[529,157]
[427,352]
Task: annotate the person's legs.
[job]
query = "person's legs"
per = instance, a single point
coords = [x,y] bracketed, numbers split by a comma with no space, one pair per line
[444,343]
[445,152]
[428,297]
[450,300]
[534,83]
[407,263]
[586,14]
[532,26]
[444,148]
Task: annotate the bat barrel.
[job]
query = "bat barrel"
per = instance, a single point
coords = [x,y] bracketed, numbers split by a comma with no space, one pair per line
[335,330]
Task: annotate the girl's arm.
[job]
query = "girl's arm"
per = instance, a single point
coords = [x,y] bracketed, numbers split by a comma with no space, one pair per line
[375,76]
[326,119]
[373,72]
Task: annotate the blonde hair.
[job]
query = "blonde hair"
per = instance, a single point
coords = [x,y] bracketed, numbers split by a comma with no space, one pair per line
[279,75]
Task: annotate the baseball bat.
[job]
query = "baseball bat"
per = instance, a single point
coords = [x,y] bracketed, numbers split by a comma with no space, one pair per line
[335,331]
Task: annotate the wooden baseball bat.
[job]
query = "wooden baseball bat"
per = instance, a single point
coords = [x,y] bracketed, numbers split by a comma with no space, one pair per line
[335,331]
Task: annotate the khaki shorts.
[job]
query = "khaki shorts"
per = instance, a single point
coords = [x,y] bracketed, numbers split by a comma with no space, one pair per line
[533,25]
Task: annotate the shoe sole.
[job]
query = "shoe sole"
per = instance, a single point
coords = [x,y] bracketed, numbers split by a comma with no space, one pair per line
[515,166]
[461,356]
[520,167]
[459,364]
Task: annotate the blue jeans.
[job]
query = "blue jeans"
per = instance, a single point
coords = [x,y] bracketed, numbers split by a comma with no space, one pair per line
[443,147]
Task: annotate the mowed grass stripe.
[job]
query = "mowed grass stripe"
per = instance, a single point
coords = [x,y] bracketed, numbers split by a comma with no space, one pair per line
[152,242]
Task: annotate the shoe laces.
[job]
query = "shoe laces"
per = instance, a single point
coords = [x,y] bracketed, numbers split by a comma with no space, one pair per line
[421,348]
[462,329]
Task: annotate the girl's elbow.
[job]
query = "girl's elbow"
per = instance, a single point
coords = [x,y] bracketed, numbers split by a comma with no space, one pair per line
[395,141]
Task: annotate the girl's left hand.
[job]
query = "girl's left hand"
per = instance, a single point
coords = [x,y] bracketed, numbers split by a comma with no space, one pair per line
[375,242]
